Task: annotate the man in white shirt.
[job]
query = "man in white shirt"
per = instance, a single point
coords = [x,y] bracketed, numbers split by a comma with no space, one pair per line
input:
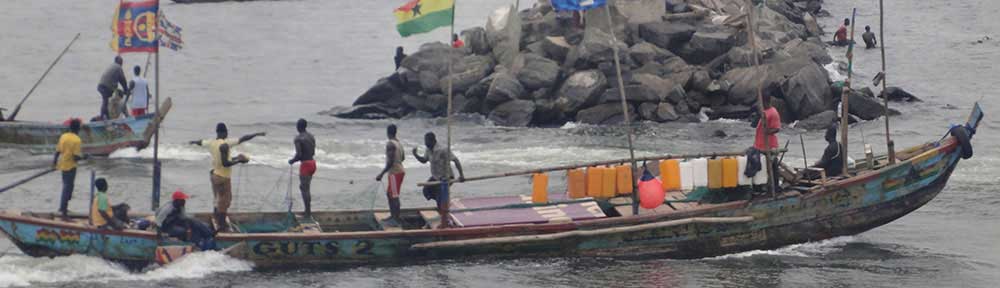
[139,88]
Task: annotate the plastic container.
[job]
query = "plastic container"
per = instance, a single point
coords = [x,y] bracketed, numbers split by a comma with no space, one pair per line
[623,179]
[670,173]
[714,173]
[539,188]
[608,181]
[730,173]
[595,181]
[761,177]
[687,176]
[700,169]
[576,183]
[742,167]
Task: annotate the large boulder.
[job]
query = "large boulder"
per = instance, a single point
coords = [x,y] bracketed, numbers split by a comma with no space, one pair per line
[383,90]
[743,82]
[597,47]
[666,112]
[898,94]
[366,111]
[814,51]
[580,90]
[647,111]
[432,57]
[538,72]
[556,47]
[646,52]
[467,72]
[475,39]
[812,27]
[864,106]
[503,32]
[705,46]
[546,112]
[504,88]
[642,11]
[666,35]
[807,92]
[429,82]
[608,113]
[819,121]
[514,113]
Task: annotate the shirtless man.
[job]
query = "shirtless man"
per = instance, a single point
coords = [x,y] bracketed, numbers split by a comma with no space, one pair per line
[394,156]
[305,148]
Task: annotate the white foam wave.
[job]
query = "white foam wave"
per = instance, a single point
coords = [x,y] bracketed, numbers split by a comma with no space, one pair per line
[16,271]
[834,71]
[809,249]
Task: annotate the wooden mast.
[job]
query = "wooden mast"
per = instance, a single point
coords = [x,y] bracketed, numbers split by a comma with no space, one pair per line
[885,98]
[752,38]
[845,94]
[156,136]
[621,92]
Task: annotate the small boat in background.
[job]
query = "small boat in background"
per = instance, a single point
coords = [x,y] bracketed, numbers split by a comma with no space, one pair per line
[100,138]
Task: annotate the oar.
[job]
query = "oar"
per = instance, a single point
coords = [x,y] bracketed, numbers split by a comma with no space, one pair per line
[25,180]
[18,109]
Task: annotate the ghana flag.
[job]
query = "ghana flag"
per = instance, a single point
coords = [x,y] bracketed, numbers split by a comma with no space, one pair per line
[421,16]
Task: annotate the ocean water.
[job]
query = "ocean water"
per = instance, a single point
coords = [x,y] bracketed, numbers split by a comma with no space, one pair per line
[259,66]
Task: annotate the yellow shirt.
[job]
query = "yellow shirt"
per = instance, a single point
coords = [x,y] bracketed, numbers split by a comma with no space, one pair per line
[213,148]
[69,146]
[100,203]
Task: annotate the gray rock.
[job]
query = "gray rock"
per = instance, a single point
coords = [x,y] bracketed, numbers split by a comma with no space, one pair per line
[682,78]
[429,82]
[538,72]
[608,113]
[467,72]
[580,90]
[797,47]
[365,111]
[707,45]
[812,27]
[503,89]
[646,52]
[898,94]
[647,111]
[743,82]
[666,112]
[819,121]
[436,104]
[701,81]
[676,95]
[466,104]
[807,92]
[666,35]
[432,57]
[382,91]
[556,47]
[546,112]
[863,106]
[642,11]
[730,112]
[597,47]
[475,39]
[515,113]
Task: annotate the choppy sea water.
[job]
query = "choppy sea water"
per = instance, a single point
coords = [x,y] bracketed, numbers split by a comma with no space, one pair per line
[260,65]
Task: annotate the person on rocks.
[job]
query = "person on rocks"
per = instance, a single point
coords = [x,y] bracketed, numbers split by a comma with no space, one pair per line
[456,42]
[766,137]
[399,57]
[139,88]
[832,161]
[840,37]
[101,213]
[439,156]
[305,148]
[221,171]
[172,219]
[110,80]
[869,38]
[394,156]
[68,153]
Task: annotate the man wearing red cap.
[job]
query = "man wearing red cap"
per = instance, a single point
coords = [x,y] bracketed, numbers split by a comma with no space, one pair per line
[172,219]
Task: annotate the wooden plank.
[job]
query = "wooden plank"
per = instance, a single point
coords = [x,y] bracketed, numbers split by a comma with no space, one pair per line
[554,213]
[431,217]
[380,218]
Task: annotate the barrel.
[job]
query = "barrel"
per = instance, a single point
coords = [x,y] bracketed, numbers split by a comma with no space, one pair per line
[608,181]
[623,175]
[742,166]
[595,181]
[687,176]
[714,173]
[670,173]
[700,175]
[576,183]
[539,186]
[730,173]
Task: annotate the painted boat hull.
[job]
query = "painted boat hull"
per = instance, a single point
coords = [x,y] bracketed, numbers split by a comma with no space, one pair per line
[99,138]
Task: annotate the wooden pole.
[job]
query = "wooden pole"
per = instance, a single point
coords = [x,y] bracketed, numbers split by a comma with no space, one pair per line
[621,92]
[805,162]
[845,96]
[54,62]
[25,180]
[885,98]
[768,154]
[156,136]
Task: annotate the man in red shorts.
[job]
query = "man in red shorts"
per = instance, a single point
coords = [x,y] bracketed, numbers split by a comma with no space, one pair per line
[305,148]
[394,156]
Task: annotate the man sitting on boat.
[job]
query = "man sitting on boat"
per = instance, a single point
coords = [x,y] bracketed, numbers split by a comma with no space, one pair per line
[101,214]
[832,161]
[172,218]
[110,80]
[221,169]
[439,156]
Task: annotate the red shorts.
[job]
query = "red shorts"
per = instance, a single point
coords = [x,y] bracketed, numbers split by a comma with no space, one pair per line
[138,111]
[395,185]
[307,168]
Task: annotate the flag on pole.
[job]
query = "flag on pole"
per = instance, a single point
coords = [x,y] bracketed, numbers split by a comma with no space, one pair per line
[577,5]
[169,34]
[422,16]
[134,26]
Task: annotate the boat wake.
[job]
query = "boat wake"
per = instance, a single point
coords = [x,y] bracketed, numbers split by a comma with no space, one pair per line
[810,249]
[17,271]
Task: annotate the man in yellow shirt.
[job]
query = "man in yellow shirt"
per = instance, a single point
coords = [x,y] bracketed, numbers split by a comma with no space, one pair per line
[67,154]
[100,209]
[221,171]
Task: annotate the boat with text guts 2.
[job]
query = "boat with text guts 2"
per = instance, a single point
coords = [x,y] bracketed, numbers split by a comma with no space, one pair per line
[595,221]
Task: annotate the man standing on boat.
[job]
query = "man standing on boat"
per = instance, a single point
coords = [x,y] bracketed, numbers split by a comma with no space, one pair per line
[394,156]
[221,172]
[68,152]
[441,171]
[110,80]
[305,148]
[139,88]
[768,128]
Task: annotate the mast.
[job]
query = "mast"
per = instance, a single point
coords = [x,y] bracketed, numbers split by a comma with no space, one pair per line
[752,37]
[156,135]
[621,92]
[845,95]
[885,98]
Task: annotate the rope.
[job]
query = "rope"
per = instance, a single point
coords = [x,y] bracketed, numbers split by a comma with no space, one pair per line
[288,195]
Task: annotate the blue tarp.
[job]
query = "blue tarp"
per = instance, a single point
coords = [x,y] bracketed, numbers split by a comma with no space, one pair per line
[577,5]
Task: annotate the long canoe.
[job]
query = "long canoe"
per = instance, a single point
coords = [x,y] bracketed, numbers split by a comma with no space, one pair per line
[580,227]
[100,138]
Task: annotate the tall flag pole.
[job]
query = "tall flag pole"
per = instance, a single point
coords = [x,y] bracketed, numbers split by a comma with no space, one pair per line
[751,26]
[885,98]
[845,95]
[621,92]
[156,136]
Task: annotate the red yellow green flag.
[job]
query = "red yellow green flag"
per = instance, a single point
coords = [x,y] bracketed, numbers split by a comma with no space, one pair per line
[421,16]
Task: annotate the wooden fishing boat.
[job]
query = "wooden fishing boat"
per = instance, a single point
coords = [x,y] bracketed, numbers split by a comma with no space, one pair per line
[99,138]
[514,227]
